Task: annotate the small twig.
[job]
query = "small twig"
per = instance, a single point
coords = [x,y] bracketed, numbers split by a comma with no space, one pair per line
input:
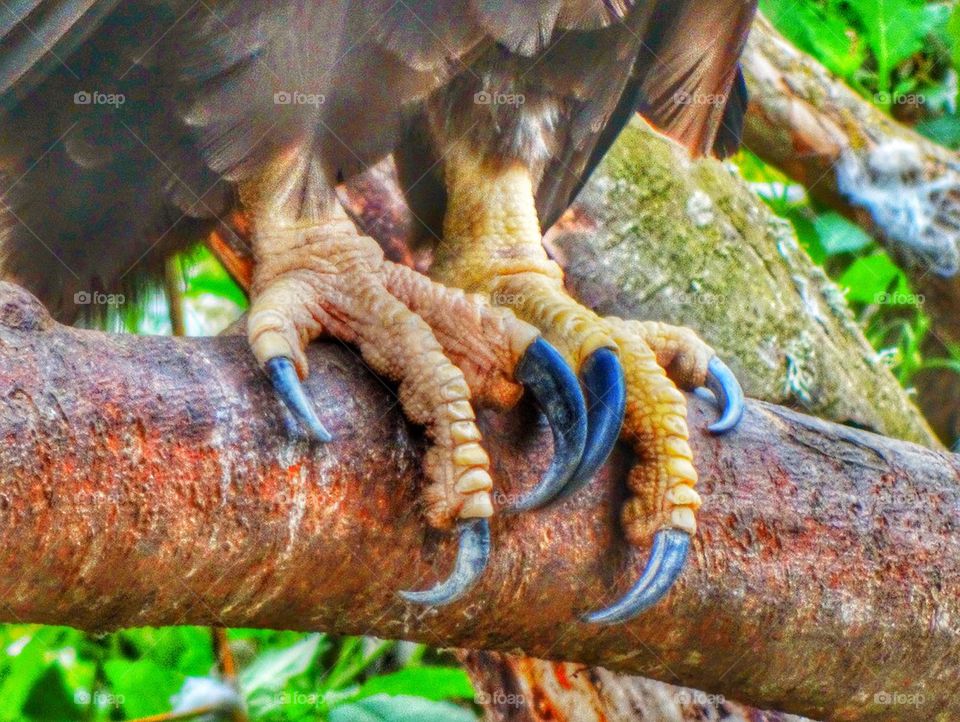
[187,715]
[173,282]
[225,661]
[228,668]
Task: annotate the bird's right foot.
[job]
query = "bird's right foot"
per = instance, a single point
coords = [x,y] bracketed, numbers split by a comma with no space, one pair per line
[443,347]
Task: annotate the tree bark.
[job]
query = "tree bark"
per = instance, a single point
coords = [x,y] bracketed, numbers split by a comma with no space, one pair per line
[685,241]
[521,689]
[808,123]
[154,481]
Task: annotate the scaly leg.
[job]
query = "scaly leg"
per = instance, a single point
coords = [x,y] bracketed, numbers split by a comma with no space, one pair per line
[492,245]
[445,348]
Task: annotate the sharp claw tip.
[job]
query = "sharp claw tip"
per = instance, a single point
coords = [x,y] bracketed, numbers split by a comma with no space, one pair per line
[473,553]
[320,435]
[287,384]
[666,563]
[724,385]
[722,426]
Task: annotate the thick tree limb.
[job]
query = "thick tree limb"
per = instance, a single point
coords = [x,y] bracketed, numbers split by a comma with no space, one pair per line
[521,689]
[149,481]
[903,188]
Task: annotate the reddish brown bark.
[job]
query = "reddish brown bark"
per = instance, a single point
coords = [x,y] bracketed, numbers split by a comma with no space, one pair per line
[151,481]
[520,689]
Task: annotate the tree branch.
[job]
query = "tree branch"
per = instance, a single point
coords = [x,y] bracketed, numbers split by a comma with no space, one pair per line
[901,187]
[150,481]
[656,236]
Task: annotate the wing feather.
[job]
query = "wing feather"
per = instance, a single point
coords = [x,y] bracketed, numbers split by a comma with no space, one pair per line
[39,35]
[688,66]
[685,81]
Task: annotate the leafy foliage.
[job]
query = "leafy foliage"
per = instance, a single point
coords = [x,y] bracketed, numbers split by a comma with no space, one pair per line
[903,55]
[53,673]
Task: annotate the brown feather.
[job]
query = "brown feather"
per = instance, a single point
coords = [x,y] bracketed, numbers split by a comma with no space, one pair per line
[216,91]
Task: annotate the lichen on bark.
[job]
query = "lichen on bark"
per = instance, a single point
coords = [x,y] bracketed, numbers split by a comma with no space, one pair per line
[732,271]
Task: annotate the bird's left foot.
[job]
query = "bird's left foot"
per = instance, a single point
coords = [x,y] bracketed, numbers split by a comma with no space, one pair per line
[445,349]
[631,371]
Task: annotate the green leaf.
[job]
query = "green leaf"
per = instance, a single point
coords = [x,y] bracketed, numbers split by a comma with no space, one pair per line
[273,669]
[807,232]
[434,683]
[220,287]
[895,30]
[870,277]
[839,235]
[144,687]
[204,274]
[384,708]
[24,669]
[825,35]
[185,649]
[50,699]
[953,32]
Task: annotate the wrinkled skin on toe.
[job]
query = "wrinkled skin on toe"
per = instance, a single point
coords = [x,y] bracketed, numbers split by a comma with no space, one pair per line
[630,370]
[443,347]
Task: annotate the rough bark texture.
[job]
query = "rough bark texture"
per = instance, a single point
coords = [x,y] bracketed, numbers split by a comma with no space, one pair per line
[903,188]
[521,689]
[150,481]
[664,237]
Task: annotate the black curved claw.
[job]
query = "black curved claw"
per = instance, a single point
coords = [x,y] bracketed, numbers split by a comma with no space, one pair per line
[556,390]
[603,378]
[667,559]
[724,385]
[288,387]
[472,557]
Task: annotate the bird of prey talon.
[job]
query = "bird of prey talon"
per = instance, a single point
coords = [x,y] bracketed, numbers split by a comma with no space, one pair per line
[133,129]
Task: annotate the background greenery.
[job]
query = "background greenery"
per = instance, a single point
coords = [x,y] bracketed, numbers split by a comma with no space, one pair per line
[903,55]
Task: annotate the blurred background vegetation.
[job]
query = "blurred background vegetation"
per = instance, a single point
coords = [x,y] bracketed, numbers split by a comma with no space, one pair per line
[902,55]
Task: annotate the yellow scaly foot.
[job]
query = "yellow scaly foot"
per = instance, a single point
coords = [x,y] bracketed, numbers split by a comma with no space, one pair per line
[492,245]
